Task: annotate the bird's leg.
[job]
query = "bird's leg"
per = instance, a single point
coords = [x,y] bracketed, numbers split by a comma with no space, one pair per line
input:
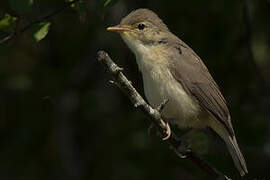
[184,146]
[168,129]
[159,108]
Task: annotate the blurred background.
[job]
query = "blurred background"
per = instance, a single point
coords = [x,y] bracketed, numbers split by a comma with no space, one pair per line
[60,118]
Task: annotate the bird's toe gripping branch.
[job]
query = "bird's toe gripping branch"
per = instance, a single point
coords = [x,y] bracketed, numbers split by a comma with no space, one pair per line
[184,148]
[162,105]
[168,132]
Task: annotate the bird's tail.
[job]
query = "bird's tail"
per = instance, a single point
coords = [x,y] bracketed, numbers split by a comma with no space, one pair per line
[232,145]
[236,154]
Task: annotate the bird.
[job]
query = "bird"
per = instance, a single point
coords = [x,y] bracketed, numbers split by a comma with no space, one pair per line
[172,70]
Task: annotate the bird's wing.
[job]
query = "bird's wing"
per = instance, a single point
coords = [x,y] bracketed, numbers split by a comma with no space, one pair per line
[189,70]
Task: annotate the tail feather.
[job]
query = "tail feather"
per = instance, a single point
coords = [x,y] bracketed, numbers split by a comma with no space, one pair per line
[232,146]
[236,154]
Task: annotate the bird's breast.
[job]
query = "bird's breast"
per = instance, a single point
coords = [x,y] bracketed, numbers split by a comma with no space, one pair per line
[159,84]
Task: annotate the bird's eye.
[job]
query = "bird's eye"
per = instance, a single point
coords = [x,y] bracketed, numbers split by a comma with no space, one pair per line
[141,26]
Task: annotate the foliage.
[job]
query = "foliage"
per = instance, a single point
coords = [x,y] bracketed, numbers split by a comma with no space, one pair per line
[7,23]
[40,30]
[109,2]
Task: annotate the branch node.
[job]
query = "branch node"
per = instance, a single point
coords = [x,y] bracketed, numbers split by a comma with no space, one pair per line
[116,69]
[119,69]
[137,104]
[111,82]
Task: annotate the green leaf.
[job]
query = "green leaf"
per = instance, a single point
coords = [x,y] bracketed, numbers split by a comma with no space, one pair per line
[39,31]
[109,2]
[21,6]
[7,23]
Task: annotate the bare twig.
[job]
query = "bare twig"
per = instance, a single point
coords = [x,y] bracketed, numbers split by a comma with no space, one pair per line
[14,34]
[7,38]
[154,115]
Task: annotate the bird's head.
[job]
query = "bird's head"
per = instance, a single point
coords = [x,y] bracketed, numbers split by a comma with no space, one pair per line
[141,28]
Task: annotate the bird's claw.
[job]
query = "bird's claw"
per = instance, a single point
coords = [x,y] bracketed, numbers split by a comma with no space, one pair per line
[168,132]
[183,149]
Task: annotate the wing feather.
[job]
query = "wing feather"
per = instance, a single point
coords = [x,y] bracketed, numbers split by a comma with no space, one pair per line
[189,70]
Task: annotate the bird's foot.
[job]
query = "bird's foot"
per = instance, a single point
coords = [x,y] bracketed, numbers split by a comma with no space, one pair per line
[168,132]
[183,148]
[161,106]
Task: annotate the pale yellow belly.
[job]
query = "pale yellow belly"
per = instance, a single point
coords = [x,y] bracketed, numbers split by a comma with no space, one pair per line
[160,85]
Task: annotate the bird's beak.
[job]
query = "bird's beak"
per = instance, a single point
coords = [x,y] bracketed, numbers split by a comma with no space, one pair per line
[118,28]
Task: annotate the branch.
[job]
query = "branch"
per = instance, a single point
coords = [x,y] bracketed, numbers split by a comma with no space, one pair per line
[14,34]
[155,116]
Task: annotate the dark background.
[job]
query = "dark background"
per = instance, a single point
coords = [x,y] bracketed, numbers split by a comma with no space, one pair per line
[60,118]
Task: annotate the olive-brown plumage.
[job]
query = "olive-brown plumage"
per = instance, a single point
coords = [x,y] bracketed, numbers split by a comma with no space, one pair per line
[172,70]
